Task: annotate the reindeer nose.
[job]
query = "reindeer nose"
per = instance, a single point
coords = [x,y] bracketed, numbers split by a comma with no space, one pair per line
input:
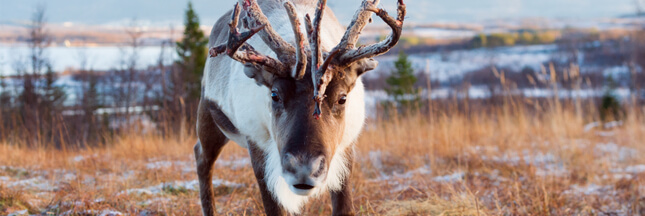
[303,166]
[303,173]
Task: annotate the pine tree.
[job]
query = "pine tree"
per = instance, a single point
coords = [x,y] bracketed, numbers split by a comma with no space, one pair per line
[90,103]
[53,96]
[610,108]
[5,95]
[192,52]
[6,103]
[401,84]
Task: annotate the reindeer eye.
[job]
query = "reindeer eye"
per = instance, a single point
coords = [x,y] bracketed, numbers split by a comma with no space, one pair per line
[342,100]
[275,97]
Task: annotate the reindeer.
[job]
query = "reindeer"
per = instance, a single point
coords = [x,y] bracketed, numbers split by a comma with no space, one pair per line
[299,132]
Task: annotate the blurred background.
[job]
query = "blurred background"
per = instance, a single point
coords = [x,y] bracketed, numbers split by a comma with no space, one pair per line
[519,93]
[97,67]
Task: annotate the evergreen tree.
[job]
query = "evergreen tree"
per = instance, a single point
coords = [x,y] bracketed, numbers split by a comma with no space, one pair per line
[90,103]
[6,104]
[91,95]
[401,83]
[5,95]
[192,53]
[610,108]
[53,96]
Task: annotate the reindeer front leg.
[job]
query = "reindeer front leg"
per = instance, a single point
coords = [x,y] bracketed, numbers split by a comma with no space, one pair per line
[271,207]
[210,144]
[342,199]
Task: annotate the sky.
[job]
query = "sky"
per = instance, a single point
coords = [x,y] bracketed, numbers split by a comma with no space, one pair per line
[166,12]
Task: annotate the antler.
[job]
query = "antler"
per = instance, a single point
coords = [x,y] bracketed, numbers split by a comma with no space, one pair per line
[282,49]
[342,55]
[301,53]
[361,18]
[237,48]
[347,54]
[319,74]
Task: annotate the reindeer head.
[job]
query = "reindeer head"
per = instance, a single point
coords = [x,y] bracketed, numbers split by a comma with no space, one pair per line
[309,115]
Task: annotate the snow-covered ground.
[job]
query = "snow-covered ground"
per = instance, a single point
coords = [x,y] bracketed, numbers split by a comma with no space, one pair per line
[13,57]
[443,66]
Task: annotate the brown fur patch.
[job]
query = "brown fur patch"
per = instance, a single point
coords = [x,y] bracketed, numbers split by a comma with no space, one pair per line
[220,118]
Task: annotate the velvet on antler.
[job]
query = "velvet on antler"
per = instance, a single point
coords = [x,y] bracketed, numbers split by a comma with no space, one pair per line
[292,61]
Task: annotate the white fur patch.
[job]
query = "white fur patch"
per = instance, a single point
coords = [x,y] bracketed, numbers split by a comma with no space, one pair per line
[278,186]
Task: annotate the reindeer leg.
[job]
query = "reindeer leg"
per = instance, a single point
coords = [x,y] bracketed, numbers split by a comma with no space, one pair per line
[210,144]
[271,206]
[342,199]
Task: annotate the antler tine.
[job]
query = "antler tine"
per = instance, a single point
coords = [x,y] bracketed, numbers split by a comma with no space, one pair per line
[301,53]
[361,18]
[237,48]
[309,27]
[283,49]
[318,72]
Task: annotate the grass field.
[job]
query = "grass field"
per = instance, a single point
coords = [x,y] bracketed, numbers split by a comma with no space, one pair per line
[504,163]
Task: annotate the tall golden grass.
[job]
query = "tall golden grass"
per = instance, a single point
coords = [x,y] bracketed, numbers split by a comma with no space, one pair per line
[398,171]
[513,159]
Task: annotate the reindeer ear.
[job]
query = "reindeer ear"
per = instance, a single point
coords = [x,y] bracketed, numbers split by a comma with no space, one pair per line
[366,65]
[261,77]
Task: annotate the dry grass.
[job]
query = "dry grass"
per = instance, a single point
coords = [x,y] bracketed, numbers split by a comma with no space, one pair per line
[499,164]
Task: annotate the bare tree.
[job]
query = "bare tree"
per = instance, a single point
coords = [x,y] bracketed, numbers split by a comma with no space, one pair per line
[38,40]
[125,87]
[88,100]
[5,102]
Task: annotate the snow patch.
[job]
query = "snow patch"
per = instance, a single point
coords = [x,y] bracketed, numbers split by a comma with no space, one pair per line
[93,212]
[635,169]
[376,157]
[159,164]
[613,124]
[425,170]
[184,166]
[21,212]
[188,185]
[591,189]
[616,152]
[79,158]
[617,176]
[234,164]
[455,177]
[162,200]
[590,126]
[36,183]
[546,164]
[551,170]
[605,133]
[527,157]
